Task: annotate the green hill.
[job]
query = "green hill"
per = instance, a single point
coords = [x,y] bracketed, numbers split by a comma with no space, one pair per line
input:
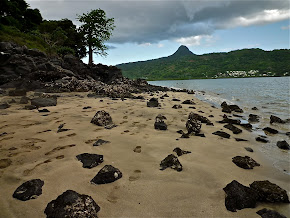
[183,64]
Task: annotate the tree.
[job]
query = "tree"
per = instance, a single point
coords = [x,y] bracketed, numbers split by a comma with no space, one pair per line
[97,29]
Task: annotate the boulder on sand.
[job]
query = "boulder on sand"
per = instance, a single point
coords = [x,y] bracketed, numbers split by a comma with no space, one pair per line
[245,162]
[239,196]
[29,190]
[153,102]
[107,174]
[44,102]
[72,204]
[172,162]
[103,118]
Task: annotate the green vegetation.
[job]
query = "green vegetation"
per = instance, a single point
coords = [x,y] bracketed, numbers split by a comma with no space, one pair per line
[25,26]
[96,30]
[239,63]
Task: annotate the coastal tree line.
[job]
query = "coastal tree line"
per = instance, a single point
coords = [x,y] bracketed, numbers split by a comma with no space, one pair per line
[25,26]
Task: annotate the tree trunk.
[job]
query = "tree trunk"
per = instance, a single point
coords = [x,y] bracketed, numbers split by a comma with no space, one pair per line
[90,55]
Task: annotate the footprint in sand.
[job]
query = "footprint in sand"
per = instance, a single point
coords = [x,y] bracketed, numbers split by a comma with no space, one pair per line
[31,146]
[4,163]
[35,140]
[7,138]
[137,149]
[69,135]
[125,117]
[112,197]
[29,171]
[136,175]
[59,148]
[125,121]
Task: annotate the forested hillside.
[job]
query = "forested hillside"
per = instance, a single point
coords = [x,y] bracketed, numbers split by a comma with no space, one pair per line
[239,63]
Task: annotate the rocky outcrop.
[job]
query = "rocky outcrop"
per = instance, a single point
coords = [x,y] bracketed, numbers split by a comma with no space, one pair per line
[270,130]
[107,174]
[172,162]
[29,190]
[253,118]
[30,69]
[72,204]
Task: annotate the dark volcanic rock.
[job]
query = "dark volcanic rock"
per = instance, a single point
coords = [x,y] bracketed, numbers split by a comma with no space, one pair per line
[90,160]
[153,102]
[245,162]
[270,130]
[159,123]
[180,131]
[269,192]
[236,108]
[265,213]
[225,108]
[240,140]
[177,106]
[188,102]
[44,110]
[202,119]
[172,162]
[249,149]
[247,126]
[229,120]
[255,108]
[72,204]
[234,129]
[102,118]
[100,142]
[17,92]
[283,145]
[61,129]
[262,139]
[192,124]
[4,106]
[185,135]
[222,134]
[175,99]
[253,118]
[239,196]
[87,107]
[29,190]
[275,119]
[200,135]
[106,175]
[44,102]
[180,152]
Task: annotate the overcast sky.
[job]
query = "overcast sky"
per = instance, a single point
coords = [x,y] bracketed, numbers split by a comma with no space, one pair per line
[151,29]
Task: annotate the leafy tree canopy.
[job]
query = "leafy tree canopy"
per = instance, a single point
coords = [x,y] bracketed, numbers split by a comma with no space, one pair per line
[96,29]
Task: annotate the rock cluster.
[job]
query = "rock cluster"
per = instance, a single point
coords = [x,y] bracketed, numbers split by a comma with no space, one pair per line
[193,125]
[229,108]
[239,196]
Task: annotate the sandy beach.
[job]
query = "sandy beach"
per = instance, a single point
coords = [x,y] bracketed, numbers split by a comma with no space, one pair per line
[37,151]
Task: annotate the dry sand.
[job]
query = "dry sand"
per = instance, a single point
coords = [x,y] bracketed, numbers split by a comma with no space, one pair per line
[144,190]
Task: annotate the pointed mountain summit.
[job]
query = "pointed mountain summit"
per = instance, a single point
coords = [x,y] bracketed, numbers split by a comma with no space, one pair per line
[182,51]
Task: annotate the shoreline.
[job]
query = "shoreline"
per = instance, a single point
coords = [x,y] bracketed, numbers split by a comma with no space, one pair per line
[143,190]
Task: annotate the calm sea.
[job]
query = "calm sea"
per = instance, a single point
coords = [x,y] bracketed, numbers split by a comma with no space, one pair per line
[271,95]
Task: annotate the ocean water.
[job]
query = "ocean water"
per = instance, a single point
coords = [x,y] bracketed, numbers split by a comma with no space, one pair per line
[271,95]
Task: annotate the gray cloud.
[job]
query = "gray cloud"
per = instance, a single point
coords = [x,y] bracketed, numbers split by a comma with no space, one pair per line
[153,21]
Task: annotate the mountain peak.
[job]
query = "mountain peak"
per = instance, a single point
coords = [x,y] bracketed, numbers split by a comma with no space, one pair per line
[182,51]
